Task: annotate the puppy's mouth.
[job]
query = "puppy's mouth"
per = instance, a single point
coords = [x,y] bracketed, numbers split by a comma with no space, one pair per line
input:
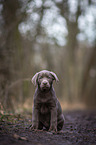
[45,88]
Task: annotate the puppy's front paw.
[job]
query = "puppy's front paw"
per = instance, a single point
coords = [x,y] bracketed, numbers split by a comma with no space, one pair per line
[34,128]
[53,129]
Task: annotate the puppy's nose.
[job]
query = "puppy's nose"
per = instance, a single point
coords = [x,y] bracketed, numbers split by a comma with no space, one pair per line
[45,83]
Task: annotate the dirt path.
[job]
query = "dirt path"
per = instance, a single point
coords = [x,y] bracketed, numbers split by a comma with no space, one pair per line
[79,129]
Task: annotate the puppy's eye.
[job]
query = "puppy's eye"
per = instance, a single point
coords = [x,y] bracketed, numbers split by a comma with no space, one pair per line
[40,77]
[48,77]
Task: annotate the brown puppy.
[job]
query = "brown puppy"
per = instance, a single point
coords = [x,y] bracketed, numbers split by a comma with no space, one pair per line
[47,111]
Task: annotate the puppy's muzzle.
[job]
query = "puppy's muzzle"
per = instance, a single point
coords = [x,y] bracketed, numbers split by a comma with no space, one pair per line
[45,85]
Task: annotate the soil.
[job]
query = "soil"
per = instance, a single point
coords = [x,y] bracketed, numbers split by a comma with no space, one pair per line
[79,129]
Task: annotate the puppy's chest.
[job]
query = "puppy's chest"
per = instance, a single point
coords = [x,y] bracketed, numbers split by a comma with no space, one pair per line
[44,105]
[44,108]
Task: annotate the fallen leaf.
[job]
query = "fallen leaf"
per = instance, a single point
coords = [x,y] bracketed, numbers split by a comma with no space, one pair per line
[19,137]
[23,138]
[16,136]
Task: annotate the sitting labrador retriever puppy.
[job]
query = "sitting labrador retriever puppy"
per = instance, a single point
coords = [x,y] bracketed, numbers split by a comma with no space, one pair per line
[47,111]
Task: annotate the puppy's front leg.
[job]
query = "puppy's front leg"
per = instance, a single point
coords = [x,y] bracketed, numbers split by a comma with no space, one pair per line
[53,122]
[34,119]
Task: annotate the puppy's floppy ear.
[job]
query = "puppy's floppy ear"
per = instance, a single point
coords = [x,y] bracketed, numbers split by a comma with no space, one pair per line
[54,76]
[34,79]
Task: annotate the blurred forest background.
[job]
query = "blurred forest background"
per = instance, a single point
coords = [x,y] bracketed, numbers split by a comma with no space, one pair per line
[58,35]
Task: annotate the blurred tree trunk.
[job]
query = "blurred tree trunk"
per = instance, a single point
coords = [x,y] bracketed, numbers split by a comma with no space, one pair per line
[89,79]
[88,91]
[70,66]
[12,47]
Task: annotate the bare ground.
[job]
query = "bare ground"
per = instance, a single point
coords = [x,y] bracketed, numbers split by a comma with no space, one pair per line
[79,129]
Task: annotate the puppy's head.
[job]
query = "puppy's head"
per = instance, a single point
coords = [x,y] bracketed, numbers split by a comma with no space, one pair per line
[44,79]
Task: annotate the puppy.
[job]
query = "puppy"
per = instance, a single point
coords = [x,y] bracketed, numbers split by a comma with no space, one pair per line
[47,111]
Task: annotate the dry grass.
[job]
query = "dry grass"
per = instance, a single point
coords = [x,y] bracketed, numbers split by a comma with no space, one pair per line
[72,106]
